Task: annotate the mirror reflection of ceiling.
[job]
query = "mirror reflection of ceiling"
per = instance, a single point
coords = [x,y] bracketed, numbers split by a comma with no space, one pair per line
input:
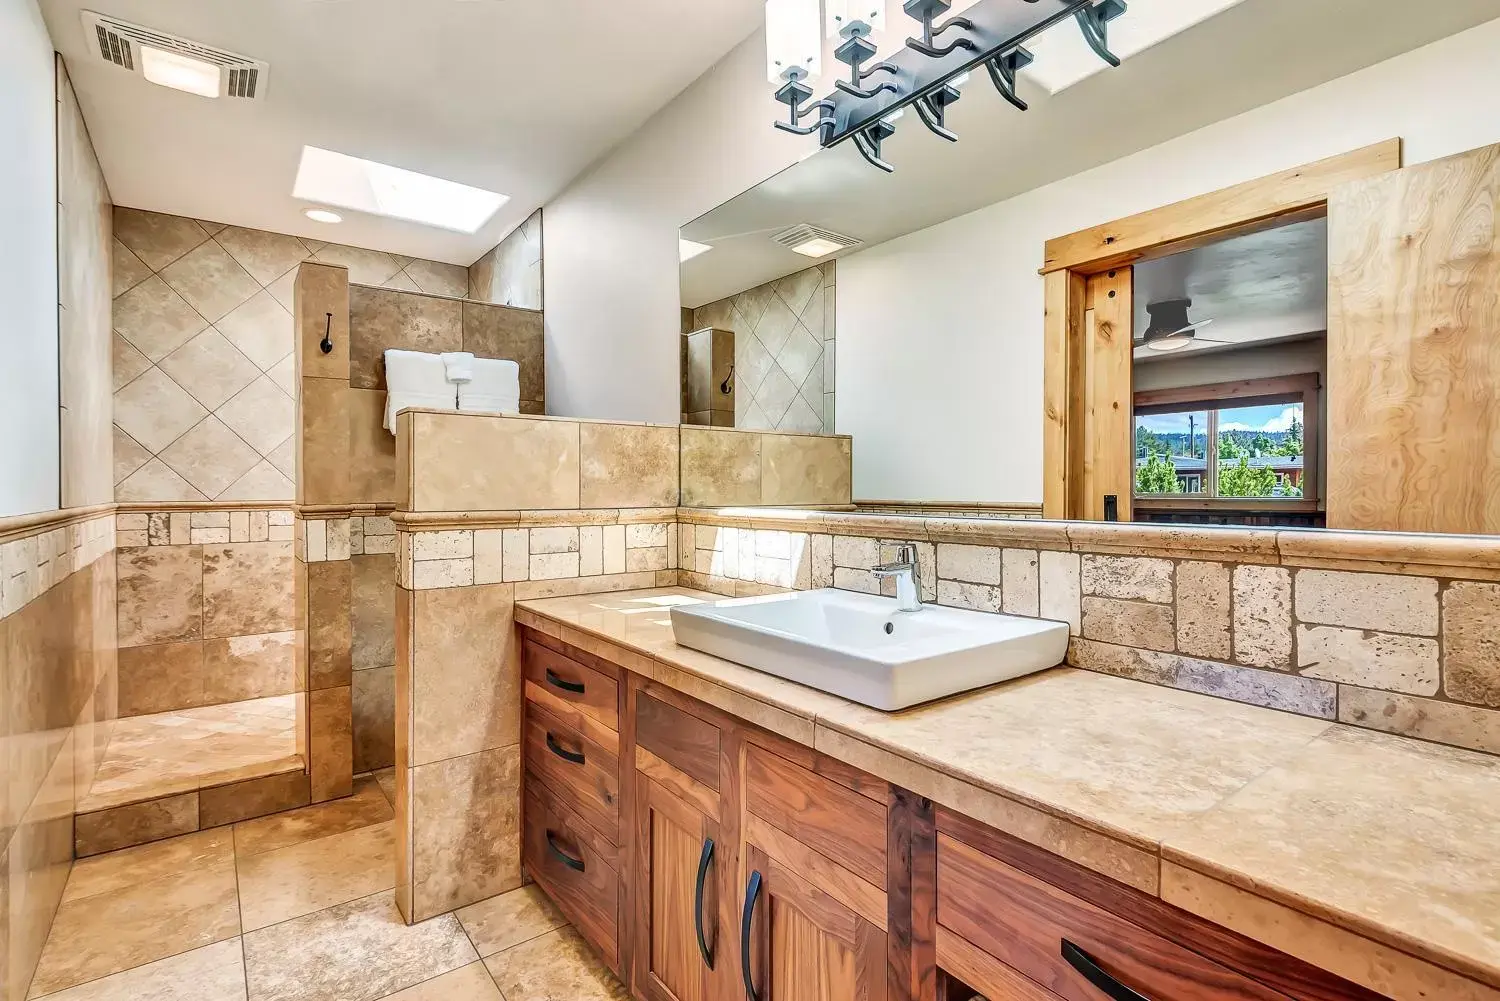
[1260,287]
[1248,56]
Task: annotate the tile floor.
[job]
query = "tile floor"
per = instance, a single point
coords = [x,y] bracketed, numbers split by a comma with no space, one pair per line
[188,749]
[298,906]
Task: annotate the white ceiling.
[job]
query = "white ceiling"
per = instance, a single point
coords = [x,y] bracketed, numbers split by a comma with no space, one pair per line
[517,96]
[1265,286]
[1254,53]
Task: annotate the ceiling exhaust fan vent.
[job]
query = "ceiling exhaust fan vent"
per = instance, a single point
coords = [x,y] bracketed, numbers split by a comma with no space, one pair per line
[118,41]
[802,235]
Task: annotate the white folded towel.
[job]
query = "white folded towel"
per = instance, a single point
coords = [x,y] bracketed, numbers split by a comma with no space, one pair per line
[416,379]
[495,388]
[459,365]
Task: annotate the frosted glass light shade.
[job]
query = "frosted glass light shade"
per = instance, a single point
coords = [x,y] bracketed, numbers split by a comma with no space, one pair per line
[794,48]
[843,18]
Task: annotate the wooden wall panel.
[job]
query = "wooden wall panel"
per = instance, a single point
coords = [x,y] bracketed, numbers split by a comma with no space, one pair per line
[1414,349]
[1108,446]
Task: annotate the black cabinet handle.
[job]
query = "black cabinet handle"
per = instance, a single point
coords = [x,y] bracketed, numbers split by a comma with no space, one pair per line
[747,919]
[562,752]
[576,687]
[703,863]
[576,864]
[1094,973]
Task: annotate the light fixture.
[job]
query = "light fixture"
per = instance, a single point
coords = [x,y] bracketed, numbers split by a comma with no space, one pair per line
[688,249]
[813,241]
[380,189]
[180,72]
[1170,328]
[850,18]
[816,247]
[322,215]
[794,48]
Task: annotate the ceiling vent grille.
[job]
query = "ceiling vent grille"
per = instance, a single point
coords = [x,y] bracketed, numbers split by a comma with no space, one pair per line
[805,233]
[117,41]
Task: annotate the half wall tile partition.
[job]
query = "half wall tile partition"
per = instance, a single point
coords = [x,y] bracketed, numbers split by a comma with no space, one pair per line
[732,467]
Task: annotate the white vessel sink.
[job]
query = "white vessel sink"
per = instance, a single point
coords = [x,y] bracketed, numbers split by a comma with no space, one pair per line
[860,647]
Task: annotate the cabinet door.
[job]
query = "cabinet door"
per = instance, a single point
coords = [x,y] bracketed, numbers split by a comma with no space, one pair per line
[676,896]
[801,944]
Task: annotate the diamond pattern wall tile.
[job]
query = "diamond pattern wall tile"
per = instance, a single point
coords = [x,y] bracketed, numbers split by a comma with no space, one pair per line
[128,270]
[128,362]
[751,363]
[155,481]
[156,319]
[266,256]
[812,387]
[284,456]
[210,368]
[281,289]
[210,457]
[797,290]
[129,455]
[155,411]
[155,238]
[212,228]
[401,282]
[775,325]
[775,395]
[261,328]
[366,267]
[812,316]
[801,416]
[284,374]
[799,354]
[210,280]
[263,482]
[261,414]
[439,279]
[752,303]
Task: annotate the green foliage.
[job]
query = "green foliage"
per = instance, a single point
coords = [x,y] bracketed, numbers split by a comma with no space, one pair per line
[1230,448]
[1157,476]
[1242,481]
[1291,445]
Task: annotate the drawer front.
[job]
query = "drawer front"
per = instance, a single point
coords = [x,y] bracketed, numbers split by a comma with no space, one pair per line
[567,861]
[564,678]
[578,770]
[1069,946]
[833,820]
[681,739]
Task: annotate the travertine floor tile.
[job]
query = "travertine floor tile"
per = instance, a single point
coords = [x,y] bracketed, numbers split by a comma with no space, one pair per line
[367,806]
[387,779]
[307,877]
[121,929]
[509,919]
[555,967]
[467,983]
[213,973]
[131,866]
[356,951]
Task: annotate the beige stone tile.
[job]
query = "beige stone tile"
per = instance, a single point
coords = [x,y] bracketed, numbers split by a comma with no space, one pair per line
[439,279]
[323,467]
[366,267]
[210,368]
[590,550]
[720,468]
[1130,577]
[975,597]
[129,456]
[614,549]
[1262,616]
[155,411]
[144,863]
[155,319]
[366,807]
[628,465]
[1373,660]
[1471,642]
[329,641]
[372,449]
[127,270]
[160,594]
[249,667]
[1129,623]
[330,743]
[517,334]
[386,778]
[211,973]
[438,574]
[1021,585]
[1425,719]
[555,566]
[452,545]
[805,469]
[261,329]
[261,414]
[127,362]
[210,280]
[1203,609]
[556,965]
[970,564]
[289,882]
[509,919]
[1061,588]
[256,797]
[212,458]
[466,829]
[266,256]
[117,930]
[449,473]
[123,826]
[357,951]
[160,677]
[154,481]
[247,589]
[465,684]
[372,611]
[467,983]
[318,291]
[381,320]
[1386,602]
[156,238]
[264,482]
[373,703]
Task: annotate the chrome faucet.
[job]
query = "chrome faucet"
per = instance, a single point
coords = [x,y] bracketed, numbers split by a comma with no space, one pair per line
[908,576]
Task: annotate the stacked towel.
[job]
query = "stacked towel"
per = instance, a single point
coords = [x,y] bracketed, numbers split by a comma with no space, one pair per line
[495,388]
[416,379]
[459,365]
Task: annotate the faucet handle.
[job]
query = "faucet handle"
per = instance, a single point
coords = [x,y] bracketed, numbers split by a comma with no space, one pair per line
[907,553]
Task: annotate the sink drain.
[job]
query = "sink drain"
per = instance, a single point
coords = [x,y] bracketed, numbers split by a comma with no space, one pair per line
[890,627]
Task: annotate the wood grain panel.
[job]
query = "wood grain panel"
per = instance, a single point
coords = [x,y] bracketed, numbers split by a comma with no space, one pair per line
[1062,393]
[681,739]
[569,713]
[553,671]
[589,899]
[816,870]
[911,889]
[1413,363]
[825,816]
[984,973]
[590,789]
[1022,922]
[1109,437]
[874,789]
[670,838]
[678,783]
[1205,218]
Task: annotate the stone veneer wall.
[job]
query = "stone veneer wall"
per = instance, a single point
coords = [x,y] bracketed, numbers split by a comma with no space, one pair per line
[57,673]
[1398,633]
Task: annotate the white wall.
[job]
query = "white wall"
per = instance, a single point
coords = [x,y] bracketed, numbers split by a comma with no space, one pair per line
[28,264]
[939,374]
[611,271]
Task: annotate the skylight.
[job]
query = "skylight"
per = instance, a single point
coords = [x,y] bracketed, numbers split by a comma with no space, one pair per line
[1063,58]
[380,189]
[687,250]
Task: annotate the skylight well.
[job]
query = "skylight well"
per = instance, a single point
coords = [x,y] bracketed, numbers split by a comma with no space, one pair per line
[380,189]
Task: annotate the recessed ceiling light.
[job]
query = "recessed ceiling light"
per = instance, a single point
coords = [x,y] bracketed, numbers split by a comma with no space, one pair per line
[687,250]
[1063,58]
[180,72]
[323,215]
[816,247]
[380,189]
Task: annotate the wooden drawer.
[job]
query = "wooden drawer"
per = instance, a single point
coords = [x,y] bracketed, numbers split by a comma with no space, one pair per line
[1033,927]
[578,769]
[566,679]
[828,817]
[576,868]
[679,738]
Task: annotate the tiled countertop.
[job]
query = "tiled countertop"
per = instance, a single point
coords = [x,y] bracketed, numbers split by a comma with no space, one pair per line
[1376,857]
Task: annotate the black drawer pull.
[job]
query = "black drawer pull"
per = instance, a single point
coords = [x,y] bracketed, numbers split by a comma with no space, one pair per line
[747,920]
[703,862]
[562,752]
[576,864]
[1094,973]
[576,687]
